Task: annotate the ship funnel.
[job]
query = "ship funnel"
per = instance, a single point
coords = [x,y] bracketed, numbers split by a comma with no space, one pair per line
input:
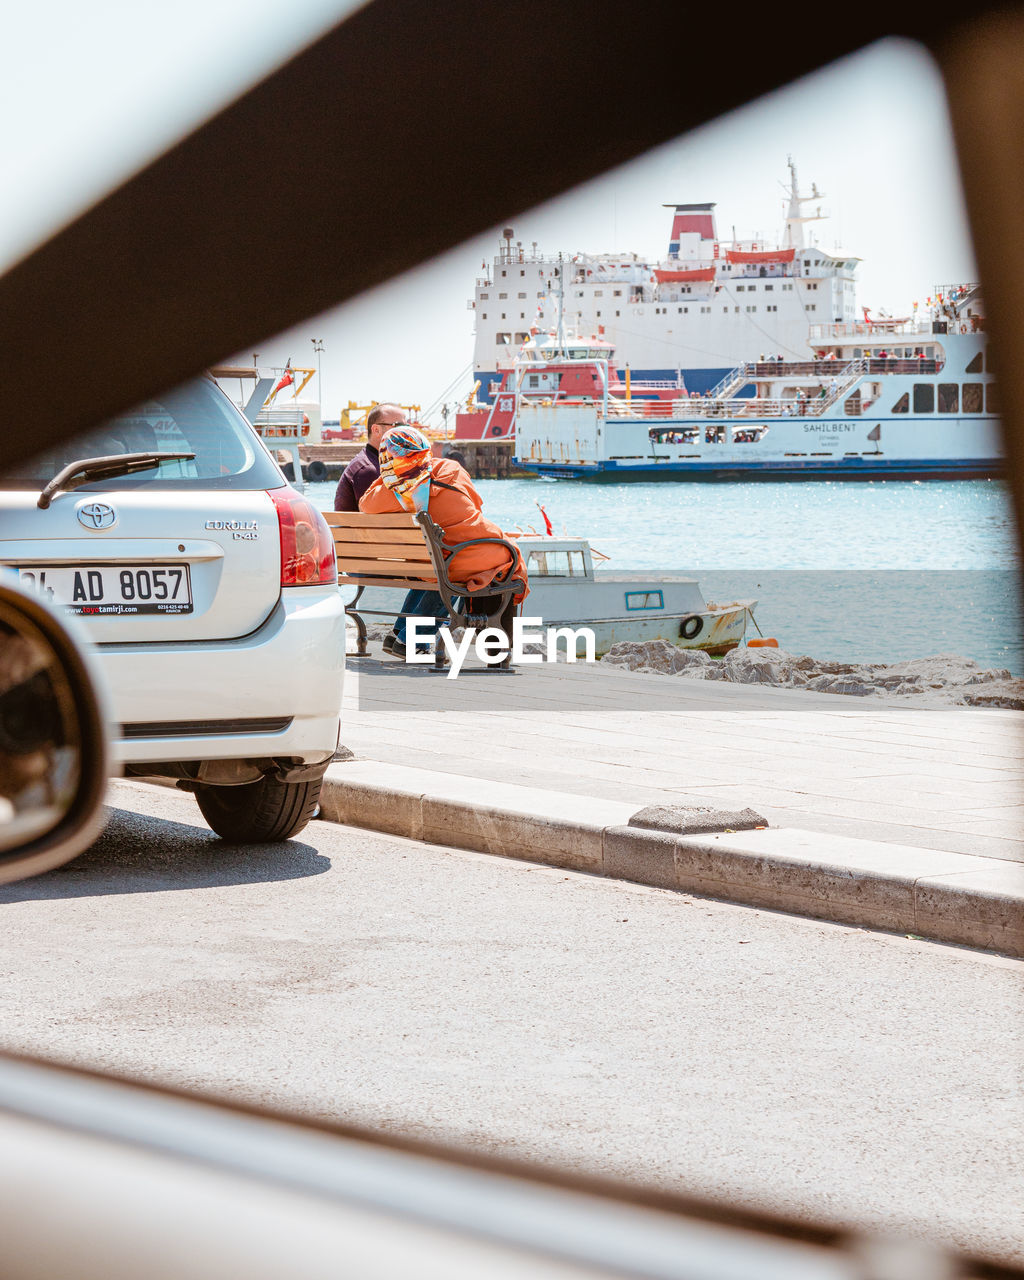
[693,231]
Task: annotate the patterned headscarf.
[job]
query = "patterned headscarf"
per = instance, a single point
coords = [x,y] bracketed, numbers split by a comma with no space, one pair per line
[405,466]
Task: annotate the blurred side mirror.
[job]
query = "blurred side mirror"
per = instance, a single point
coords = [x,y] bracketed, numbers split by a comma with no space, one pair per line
[53,737]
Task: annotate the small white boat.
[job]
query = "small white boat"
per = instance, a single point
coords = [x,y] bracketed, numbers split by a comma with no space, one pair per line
[566,591]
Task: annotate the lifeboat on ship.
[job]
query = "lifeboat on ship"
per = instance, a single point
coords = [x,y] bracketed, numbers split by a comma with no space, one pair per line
[690,276]
[760,255]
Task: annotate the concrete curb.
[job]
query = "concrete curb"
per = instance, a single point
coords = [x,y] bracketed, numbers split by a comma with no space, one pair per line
[949,897]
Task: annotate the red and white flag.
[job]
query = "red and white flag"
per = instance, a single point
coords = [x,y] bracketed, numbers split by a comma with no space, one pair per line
[286,379]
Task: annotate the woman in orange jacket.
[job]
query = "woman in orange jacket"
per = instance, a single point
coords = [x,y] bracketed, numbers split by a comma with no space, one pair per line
[412,479]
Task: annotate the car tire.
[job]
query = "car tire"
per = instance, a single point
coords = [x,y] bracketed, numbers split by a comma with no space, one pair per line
[259,812]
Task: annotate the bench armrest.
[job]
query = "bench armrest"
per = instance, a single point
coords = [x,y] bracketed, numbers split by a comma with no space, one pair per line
[433,535]
[448,552]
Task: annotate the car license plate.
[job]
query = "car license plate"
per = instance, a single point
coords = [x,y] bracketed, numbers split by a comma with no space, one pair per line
[93,590]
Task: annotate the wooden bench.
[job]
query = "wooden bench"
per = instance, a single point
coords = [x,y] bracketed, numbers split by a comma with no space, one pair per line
[406,551]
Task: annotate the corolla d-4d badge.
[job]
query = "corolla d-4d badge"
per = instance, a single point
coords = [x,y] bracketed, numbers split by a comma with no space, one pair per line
[97,515]
[240,530]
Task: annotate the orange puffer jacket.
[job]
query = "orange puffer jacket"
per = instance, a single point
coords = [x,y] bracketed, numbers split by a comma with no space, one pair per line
[457,507]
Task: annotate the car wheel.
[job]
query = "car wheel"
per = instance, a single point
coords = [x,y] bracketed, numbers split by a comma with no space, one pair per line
[261,811]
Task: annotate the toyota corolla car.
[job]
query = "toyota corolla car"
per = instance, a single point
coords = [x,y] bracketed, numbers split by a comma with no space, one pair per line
[209,587]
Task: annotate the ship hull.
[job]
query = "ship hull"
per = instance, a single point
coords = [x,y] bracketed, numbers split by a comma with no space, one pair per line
[866,469]
[844,419]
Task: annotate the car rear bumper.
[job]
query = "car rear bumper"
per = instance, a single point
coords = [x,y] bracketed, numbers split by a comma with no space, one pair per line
[275,693]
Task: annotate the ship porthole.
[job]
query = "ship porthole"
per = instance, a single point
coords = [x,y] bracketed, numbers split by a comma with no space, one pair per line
[691,627]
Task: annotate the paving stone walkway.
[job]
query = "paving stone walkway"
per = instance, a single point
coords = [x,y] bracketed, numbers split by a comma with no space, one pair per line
[934,777]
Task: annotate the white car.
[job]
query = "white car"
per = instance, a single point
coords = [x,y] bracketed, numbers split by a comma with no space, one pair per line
[209,588]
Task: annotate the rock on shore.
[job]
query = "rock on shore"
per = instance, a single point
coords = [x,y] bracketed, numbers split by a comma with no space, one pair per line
[946,677]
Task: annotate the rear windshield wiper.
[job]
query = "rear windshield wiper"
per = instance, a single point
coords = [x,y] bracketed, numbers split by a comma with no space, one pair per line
[75,474]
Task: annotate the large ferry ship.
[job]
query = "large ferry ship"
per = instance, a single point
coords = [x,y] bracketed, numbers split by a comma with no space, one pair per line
[694,315]
[901,399]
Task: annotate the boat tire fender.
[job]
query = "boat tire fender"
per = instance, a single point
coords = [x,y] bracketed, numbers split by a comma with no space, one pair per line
[691,627]
[316,470]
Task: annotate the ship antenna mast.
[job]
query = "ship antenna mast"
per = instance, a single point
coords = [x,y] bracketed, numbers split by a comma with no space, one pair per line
[794,218]
[561,305]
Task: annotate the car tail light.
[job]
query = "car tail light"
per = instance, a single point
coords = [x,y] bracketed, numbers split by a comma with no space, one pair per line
[307,548]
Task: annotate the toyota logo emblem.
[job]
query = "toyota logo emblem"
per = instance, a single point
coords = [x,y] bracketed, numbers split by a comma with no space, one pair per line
[97,515]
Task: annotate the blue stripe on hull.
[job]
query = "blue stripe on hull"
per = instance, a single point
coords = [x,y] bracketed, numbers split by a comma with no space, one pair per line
[844,469]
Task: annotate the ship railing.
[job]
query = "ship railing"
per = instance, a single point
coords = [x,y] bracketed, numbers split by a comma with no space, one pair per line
[841,383]
[635,408]
[872,328]
[837,379]
[754,271]
[281,423]
[954,292]
[828,368]
[516,256]
[699,407]
[756,370]
[747,408]
[735,378]
[903,364]
[841,380]
[278,417]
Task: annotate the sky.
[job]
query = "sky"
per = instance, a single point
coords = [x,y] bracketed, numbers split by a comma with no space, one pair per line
[95,91]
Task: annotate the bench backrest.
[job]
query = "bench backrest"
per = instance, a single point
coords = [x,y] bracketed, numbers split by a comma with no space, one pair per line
[375,550]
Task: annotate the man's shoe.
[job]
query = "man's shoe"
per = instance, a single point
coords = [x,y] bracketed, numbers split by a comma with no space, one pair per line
[390,640]
[397,648]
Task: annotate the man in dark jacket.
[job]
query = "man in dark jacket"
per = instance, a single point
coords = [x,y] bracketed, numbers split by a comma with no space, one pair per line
[365,466]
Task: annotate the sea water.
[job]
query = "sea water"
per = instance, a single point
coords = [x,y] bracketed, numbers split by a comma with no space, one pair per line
[875,571]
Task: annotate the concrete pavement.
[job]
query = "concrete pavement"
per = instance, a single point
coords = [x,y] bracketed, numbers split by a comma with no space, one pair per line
[748,1056]
[885,813]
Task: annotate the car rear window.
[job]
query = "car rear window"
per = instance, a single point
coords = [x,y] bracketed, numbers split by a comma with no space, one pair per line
[196,418]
